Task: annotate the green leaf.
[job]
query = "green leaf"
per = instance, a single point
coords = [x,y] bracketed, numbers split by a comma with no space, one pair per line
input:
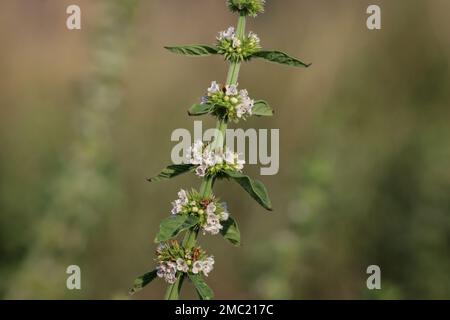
[254,188]
[230,231]
[204,292]
[142,281]
[172,171]
[193,50]
[173,225]
[199,109]
[280,57]
[262,109]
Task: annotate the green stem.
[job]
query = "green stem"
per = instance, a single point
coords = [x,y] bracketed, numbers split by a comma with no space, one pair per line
[219,137]
[190,239]
[233,73]
[173,292]
[206,187]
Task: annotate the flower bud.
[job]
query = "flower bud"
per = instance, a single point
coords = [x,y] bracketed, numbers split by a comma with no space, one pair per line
[194,209]
[247,7]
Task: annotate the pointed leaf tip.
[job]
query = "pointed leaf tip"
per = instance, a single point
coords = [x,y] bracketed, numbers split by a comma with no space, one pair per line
[142,281]
[171,171]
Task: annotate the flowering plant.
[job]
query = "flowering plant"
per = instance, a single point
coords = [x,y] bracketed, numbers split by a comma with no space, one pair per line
[200,210]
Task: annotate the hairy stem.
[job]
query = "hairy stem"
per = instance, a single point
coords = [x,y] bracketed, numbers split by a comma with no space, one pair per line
[190,239]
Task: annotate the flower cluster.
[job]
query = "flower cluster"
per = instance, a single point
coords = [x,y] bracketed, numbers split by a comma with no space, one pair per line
[247,7]
[213,162]
[237,48]
[231,103]
[209,210]
[173,258]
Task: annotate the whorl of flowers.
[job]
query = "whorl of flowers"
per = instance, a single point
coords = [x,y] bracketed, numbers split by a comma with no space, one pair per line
[232,103]
[213,162]
[237,48]
[247,7]
[209,210]
[173,258]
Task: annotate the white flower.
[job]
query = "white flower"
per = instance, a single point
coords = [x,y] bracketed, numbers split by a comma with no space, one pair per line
[183,196]
[229,156]
[211,208]
[231,90]
[240,111]
[214,88]
[195,153]
[182,265]
[213,225]
[167,270]
[236,42]
[254,37]
[204,158]
[226,35]
[197,267]
[201,170]
[208,265]
[246,106]
[209,158]
[204,100]
[177,205]
[161,247]
[239,164]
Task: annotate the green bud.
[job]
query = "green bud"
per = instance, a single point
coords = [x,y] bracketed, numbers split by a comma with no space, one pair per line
[234,100]
[247,7]
[194,209]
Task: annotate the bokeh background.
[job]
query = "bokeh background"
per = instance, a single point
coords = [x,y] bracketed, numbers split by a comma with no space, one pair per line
[364,177]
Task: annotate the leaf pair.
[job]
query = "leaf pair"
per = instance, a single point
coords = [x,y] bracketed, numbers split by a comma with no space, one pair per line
[174,225]
[203,290]
[254,188]
[260,108]
[272,56]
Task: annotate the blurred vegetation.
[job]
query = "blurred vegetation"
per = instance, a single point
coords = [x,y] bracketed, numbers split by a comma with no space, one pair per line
[364,179]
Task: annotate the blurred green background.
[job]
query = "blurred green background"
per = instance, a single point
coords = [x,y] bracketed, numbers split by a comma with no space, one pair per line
[364,176]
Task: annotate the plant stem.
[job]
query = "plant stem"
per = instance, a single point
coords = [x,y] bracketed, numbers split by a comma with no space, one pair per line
[173,292]
[190,239]
[233,73]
